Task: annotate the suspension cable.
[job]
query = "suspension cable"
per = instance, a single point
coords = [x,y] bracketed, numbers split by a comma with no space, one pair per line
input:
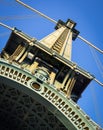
[6,26]
[89,43]
[100,83]
[41,14]
[52,20]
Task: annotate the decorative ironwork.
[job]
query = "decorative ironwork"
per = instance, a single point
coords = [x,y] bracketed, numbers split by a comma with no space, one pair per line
[22,104]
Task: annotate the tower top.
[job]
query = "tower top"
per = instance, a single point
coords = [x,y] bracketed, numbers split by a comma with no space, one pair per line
[61,40]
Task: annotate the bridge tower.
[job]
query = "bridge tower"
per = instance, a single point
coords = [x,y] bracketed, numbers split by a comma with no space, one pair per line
[40,85]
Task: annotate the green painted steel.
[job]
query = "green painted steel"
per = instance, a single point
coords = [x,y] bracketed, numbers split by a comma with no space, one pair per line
[67,111]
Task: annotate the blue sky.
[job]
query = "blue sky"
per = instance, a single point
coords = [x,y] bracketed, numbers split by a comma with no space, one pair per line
[88,16]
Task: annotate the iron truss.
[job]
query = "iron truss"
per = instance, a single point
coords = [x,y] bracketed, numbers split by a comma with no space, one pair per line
[28,104]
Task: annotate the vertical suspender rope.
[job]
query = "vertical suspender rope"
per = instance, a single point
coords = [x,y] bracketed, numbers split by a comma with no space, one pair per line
[90,44]
[97,60]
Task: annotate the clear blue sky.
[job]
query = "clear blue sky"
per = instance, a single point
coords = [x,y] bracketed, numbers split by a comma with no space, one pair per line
[89,18]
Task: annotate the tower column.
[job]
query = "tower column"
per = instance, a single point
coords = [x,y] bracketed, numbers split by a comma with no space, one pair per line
[60,40]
